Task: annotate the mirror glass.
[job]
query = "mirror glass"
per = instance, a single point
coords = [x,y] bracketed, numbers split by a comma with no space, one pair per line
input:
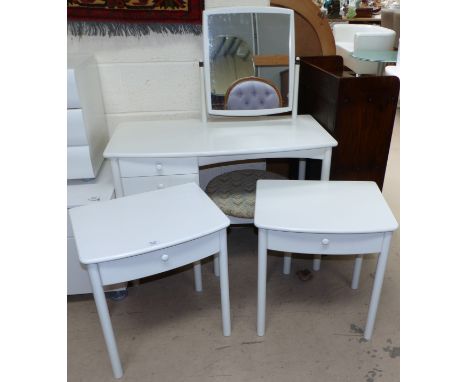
[248,60]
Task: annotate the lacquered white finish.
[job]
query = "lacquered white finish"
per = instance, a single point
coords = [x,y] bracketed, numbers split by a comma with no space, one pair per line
[288,206]
[166,217]
[137,185]
[137,148]
[157,166]
[317,217]
[149,233]
[194,138]
[206,55]
[161,260]
[338,243]
[87,133]
[105,320]
[79,193]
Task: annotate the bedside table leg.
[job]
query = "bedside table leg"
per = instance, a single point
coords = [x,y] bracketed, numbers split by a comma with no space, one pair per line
[224,282]
[216,264]
[316,262]
[356,272]
[104,317]
[287,263]
[262,270]
[379,275]
[197,276]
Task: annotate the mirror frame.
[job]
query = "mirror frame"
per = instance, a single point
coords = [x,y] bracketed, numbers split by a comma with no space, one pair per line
[207,68]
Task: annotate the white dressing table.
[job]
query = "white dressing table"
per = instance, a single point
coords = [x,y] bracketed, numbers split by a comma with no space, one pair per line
[157,154]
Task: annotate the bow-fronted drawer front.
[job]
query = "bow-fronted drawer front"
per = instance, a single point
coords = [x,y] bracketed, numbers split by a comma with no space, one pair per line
[150,183]
[157,166]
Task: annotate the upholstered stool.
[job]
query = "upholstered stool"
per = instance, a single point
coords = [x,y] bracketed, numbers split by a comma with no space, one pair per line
[234,192]
[323,217]
[145,234]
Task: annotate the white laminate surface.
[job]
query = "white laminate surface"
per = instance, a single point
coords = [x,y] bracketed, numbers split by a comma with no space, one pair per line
[192,137]
[145,222]
[322,207]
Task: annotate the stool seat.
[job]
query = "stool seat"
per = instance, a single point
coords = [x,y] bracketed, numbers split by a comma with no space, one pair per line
[234,192]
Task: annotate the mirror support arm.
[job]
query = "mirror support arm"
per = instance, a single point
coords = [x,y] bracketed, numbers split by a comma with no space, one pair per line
[202,89]
[296,88]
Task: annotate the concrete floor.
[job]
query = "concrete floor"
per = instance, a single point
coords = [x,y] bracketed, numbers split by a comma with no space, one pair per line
[168,332]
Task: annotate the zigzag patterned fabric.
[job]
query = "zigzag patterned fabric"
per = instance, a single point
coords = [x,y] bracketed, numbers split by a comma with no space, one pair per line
[234,192]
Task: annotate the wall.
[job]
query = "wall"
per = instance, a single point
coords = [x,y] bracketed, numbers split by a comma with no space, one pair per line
[151,77]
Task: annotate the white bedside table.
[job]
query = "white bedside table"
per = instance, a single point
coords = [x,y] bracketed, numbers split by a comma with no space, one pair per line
[323,217]
[149,233]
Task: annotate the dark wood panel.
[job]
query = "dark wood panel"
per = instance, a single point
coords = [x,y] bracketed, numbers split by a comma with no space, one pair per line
[358,111]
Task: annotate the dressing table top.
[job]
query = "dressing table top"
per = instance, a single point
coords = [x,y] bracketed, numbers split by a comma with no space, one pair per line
[192,137]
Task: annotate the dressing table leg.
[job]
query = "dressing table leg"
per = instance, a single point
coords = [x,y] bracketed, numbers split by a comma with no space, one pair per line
[216,264]
[302,169]
[116,176]
[197,276]
[356,272]
[224,284]
[104,317]
[287,263]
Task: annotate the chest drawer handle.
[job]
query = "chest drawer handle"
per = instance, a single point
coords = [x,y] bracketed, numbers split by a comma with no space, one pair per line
[159,167]
[325,241]
[160,185]
[165,258]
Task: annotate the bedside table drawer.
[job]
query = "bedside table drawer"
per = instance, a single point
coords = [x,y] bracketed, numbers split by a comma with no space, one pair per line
[324,243]
[157,166]
[158,261]
[76,130]
[150,183]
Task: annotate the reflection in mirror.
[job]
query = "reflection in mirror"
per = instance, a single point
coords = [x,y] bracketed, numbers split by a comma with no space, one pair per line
[253,47]
[231,59]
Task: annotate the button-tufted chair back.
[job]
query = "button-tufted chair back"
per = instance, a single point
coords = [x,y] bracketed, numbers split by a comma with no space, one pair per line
[252,93]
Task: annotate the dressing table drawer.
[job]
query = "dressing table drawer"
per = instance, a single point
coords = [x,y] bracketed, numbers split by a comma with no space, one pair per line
[150,183]
[157,166]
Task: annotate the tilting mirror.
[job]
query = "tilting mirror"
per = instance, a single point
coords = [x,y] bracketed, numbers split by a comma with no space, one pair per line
[249,60]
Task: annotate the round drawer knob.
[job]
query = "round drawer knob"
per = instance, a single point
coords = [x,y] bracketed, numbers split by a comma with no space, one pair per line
[165,257]
[160,185]
[159,167]
[325,241]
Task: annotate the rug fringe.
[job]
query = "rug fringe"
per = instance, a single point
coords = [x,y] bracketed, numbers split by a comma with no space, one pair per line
[91,28]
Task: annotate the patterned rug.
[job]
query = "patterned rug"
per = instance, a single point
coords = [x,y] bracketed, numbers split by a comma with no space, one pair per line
[133,17]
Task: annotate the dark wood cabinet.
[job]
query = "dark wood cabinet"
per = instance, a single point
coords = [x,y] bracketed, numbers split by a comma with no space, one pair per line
[358,111]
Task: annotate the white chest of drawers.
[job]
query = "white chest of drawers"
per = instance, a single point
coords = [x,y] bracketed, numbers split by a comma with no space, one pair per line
[80,193]
[87,133]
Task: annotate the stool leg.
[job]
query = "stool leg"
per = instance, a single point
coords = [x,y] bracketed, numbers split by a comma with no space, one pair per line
[104,317]
[262,268]
[287,263]
[377,288]
[224,283]
[216,264]
[356,272]
[301,172]
[197,276]
[316,262]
